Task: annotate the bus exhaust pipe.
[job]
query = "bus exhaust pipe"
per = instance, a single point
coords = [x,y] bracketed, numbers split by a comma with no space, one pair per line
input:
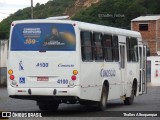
[54,92]
[29,91]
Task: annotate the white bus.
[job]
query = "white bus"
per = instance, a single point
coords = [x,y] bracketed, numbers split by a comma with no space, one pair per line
[64,61]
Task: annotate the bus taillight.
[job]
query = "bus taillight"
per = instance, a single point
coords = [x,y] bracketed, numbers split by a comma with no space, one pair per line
[75,72]
[73,77]
[12,77]
[10,72]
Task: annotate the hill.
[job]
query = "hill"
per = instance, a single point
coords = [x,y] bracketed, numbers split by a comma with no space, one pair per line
[41,11]
[117,13]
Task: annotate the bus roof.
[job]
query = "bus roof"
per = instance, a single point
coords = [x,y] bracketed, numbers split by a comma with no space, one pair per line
[107,29]
[87,27]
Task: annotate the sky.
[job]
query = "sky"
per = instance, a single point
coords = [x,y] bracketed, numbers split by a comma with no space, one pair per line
[8,7]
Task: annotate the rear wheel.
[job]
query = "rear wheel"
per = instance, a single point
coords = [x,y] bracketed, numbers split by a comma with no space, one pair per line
[49,106]
[130,100]
[104,97]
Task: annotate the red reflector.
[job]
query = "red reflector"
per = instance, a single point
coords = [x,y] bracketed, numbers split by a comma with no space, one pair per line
[19,90]
[63,91]
[42,79]
[12,77]
[73,77]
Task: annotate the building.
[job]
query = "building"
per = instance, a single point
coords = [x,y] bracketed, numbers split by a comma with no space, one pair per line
[149,27]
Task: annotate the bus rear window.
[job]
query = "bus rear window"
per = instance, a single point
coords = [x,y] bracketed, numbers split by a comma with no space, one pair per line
[43,36]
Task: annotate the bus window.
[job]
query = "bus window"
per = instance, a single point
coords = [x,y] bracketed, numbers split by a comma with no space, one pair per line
[128,49]
[98,51]
[86,46]
[133,45]
[131,49]
[115,48]
[107,44]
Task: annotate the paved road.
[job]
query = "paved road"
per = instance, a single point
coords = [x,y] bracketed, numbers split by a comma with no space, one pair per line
[147,102]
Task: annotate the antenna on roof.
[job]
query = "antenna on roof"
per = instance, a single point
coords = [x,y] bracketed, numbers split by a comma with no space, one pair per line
[58,18]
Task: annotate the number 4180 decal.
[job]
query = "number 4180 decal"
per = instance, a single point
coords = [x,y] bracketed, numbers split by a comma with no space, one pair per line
[62,81]
[42,65]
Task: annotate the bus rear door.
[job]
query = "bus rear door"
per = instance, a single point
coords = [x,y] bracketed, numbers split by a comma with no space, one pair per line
[122,68]
[142,70]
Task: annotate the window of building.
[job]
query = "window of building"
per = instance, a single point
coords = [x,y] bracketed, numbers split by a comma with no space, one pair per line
[98,51]
[86,46]
[132,47]
[143,27]
[107,45]
[115,48]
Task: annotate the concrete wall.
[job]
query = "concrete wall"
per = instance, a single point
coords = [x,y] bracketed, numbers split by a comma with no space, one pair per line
[155,70]
[3,76]
[3,62]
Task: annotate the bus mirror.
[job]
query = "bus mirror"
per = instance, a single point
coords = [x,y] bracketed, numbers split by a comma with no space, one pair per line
[148,52]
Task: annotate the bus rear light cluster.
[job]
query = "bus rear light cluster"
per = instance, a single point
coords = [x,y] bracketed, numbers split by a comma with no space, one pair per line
[75,72]
[10,72]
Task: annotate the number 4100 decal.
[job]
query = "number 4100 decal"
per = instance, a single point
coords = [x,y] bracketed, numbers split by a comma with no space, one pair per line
[42,65]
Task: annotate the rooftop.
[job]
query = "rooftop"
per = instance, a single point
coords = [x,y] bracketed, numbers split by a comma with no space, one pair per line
[147,18]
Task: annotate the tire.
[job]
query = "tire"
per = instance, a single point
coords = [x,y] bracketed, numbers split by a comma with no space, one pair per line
[48,107]
[104,97]
[130,100]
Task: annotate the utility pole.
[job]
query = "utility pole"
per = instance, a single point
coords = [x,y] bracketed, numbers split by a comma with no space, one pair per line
[31,9]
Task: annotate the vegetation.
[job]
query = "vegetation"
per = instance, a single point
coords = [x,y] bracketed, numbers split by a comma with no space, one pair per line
[116,13]
[51,8]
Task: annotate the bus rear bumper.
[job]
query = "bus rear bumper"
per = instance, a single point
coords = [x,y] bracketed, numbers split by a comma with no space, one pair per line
[45,98]
[44,93]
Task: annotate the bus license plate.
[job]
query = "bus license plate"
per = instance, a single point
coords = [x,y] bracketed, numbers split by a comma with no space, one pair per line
[42,78]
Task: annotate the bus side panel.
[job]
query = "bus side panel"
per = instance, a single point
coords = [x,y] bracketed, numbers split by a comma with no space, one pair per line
[89,90]
[132,74]
[92,80]
[112,73]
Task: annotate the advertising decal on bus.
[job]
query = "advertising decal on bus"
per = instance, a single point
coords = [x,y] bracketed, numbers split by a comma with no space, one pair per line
[43,37]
